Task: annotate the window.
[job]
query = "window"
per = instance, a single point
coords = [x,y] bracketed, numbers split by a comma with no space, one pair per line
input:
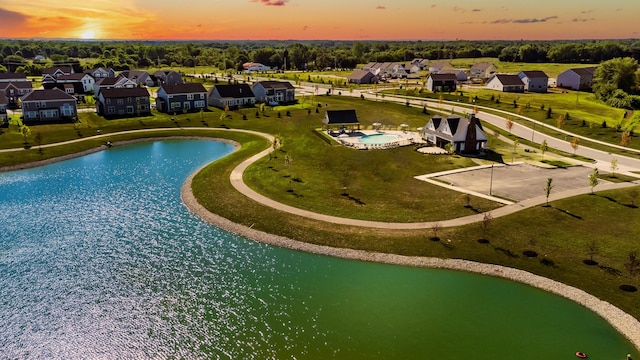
[175,105]
[186,106]
[198,104]
[111,109]
[201,96]
[66,110]
[189,96]
[120,101]
[129,100]
[129,109]
[108,101]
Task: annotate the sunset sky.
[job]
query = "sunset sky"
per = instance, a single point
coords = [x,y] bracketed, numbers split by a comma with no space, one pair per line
[328,19]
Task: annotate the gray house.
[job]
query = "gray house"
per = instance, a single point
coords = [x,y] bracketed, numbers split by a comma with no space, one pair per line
[4,103]
[576,79]
[232,96]
[181,97]
[272,92]
[360,76]
[168,77]
[12,77]
[123,102]
[108,83]
[534,81]
[441,82]
[14,91]
[101,73]
[48,105]
[482,70]
[141,78]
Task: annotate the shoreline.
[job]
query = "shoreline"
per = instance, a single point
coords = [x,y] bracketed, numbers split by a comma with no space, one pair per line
[624,323]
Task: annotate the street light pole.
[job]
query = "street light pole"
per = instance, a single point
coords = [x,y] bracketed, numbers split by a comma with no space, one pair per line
[491,181]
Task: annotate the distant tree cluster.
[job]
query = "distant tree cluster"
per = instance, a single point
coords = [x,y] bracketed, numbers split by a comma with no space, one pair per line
[31,56]
[616,83]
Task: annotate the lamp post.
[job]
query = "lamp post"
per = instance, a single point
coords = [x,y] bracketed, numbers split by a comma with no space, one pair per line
[533,131]
[491,181]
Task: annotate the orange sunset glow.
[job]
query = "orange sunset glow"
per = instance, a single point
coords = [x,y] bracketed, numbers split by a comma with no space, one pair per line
[331,19]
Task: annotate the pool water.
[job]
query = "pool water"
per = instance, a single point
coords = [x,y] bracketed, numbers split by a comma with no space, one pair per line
[99,258]
[378,139]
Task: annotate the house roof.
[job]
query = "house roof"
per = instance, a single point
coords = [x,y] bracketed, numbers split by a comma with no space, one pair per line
[340,117]
[443,77]
[107,81]
[13,76]
[508,79]
[483,66]
[17,84]
[234,91]
[74,76]
[76,86]
[47,95]
[276,84]
[186,88]
[535,74]
[91,71]
[131,74]
[124,92]
[359,74]
[586,71]
[53,70]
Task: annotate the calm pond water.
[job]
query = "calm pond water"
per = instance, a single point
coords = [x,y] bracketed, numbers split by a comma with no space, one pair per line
[99,258]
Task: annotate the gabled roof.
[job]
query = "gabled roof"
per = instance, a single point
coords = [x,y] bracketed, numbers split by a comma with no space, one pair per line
[535,74]
[124,92]
[443,77]
[47,95]
[72,77]
[587,71]
[234,91]
[107,81]
[483,66]
[359,74]
[131,74]
[340,117]
[508,79]
[186,88]
[53,70]
[16,84]
[278,84]
[13,76]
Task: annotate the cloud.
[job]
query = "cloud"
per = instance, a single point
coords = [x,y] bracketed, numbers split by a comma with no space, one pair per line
[12,18]
[582,20]
[458,9]
[381,7]
[523,21]
[271,2]
[433,6]
[476,10]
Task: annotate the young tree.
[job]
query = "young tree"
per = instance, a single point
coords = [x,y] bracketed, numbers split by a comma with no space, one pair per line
[593,179]
[450,149]
[625,138]
[633,264]
[509,125]
[25,132]
[544,147]
[614,166]
[516,142]
[560,122]
[486,221]
[575,142]
[435,227]
[547,189]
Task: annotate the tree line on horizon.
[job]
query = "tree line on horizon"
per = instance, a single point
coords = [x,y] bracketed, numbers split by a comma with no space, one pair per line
[31,56]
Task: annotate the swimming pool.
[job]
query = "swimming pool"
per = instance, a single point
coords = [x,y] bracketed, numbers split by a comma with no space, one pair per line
[378,139]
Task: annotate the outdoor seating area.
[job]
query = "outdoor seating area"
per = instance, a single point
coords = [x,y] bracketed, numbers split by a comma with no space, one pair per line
[376,139]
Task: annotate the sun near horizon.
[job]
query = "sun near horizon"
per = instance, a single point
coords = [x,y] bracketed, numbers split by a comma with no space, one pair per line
[88,35]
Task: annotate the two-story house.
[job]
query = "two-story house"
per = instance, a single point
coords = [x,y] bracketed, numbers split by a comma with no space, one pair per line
[181,97]
[101,73]
[118,102]
[482,70]
[464,134]
[141,78]
[4,104]
[275,92]
[168,77]
[48,105]
[441,82]
[505,83]
[109,83]
[51,74]
[14,91]
[534,81]
[232,96]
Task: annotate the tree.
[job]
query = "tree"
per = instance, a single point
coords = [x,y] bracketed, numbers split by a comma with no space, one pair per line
[575,142]
[509,124]
[593,179]
[450,149]
[560,122]
[516,142]
[633,264]
[486,221]
[547,189]
[435,227]
[615,74]
[544,147]
[26,132]
[276,144]
[592,249]
[625,138]
[633,196]
[613,166]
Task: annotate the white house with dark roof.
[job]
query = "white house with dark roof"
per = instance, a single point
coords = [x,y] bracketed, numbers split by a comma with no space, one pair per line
[505,83]
[576,79]
[181,98]
[464,134]
[48,105]
[232,96]
[534,81]
[271,92]
[86,80]
[343,119]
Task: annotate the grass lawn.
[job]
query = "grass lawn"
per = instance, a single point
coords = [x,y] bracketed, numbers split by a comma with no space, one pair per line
[383,184]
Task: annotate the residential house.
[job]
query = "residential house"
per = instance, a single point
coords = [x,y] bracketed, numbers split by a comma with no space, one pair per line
[464,134]
[505,83]
[4,104]
[343,119]
[534,81]
[51,74]
[252,66]
[576,79]
[48,105]
[168,77]
[12,77]
[437,66]
[482,70]
[14,91]
[101,73]
[386,70]
[141,78]
[86,80]
[181,98]
[123,102]
[231,96]
[109,83]
[420,62]
[441,82]
[362,77]
[271,92]
[460,74]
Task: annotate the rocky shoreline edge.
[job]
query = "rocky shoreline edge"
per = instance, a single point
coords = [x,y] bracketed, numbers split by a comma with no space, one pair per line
[621,321]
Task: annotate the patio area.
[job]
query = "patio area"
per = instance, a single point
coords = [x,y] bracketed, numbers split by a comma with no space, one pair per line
[376,139]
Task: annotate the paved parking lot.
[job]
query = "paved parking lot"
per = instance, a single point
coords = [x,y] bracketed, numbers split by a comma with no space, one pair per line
[519,181]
